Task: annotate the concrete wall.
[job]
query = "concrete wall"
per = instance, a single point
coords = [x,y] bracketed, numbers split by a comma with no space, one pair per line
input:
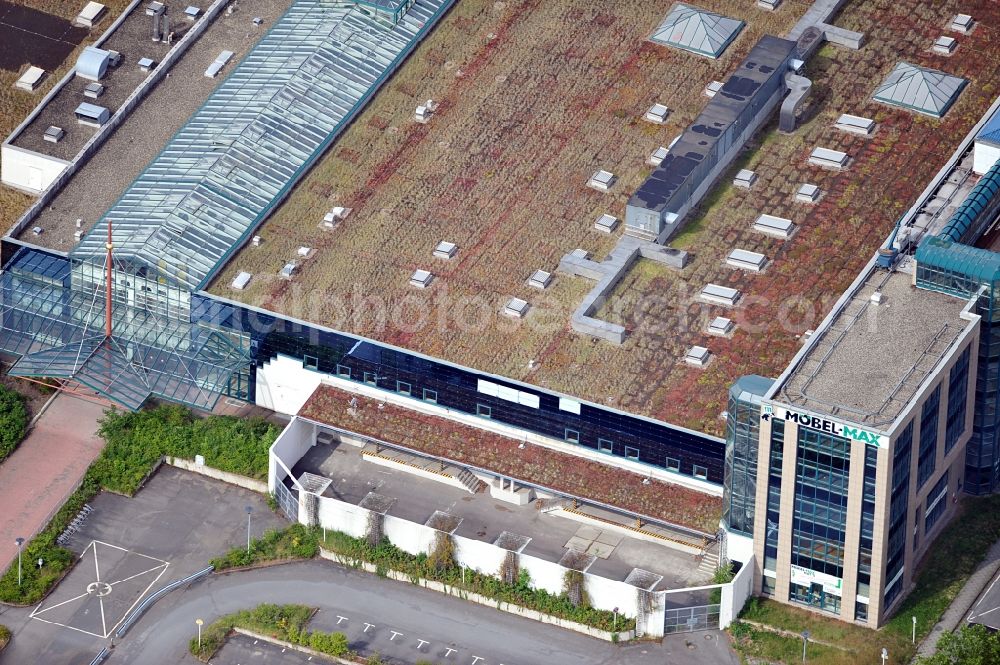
[293,442]
[224,476]
[284,385]
[735,595]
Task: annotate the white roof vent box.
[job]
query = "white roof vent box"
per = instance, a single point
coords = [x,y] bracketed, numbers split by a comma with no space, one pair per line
[335,216]
[425,111]
[657,114]
[657,156]
[445,250]
[698,356]
[745,179]
[30,79]
[540,279]
[241,281]
[606,223]
[962,23]
[421,279]
[516,308]
[289,270]
[721,327]
[602,180]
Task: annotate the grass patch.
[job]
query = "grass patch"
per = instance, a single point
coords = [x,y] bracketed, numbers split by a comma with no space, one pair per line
[13,421]
[294,542]
[4,637]
[135,441]
[943,572]
[282,622]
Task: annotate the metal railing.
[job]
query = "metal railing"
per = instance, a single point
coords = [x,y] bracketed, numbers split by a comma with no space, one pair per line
[101,656]
[152,598]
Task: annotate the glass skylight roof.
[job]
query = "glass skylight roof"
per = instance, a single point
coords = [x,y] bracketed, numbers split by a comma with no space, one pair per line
[240,153]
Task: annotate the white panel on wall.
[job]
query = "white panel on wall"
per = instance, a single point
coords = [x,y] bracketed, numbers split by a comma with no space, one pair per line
[570,405]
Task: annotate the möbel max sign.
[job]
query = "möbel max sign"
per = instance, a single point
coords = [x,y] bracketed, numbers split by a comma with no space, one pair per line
[823,425]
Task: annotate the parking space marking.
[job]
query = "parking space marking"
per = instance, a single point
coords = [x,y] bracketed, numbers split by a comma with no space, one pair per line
[394,635]
[367,626]
[340,618]
[448,652]
[421,643]
[476,659]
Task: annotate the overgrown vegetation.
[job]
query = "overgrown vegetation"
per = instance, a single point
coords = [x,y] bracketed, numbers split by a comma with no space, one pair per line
[972,645]
[942,574]
[282,622]
[387,556]
[13,421]
[135,441]
[722,575]
[295,542]
[4,636]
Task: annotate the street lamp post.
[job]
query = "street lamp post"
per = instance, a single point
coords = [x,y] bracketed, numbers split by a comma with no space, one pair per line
[913,636]
[20,545]
[885,654]
[616,620]
[199,622]
[805,641]
[249,510]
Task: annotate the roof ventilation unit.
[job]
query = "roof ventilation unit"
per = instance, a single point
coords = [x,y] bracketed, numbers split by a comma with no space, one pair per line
[602,180]
[769,5]
[93,90]
[720,326]
[697,31]
[38,230]
[713,88]
[425,111]
[256,241]
[93,63]
[697,356]
[289,270]
[540,279]
[421,279]
[962,23]
[77,235]
[854,124]
[829,159]
[336,215]
[657,156]
[581,254]
[606,223]
[876,298]
[304,252]
[91,15]
[657,114]
[146,64]
[241,281]
[31,79]
[779,227]
[54,134]
[516,308]
[720,295]
[445,250]
[92,115]
[744,260]
[220,61]
[944,45]
[807,193]
[161,24]
[745,179]
[191,12]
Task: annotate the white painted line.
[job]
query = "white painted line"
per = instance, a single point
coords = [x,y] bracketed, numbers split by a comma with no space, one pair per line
[37,611]
[131,577]
[141,596]
[367,626]
[340,618]
[394,635]
[476,659]
[448,652]
[79,630]
[421,643]
[97,568]
[101,542]
[104,623]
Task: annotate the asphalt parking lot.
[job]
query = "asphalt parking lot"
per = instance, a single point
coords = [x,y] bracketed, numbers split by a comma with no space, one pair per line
[129,547]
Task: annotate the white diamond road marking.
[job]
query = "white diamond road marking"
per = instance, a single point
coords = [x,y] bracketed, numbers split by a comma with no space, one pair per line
[98,585]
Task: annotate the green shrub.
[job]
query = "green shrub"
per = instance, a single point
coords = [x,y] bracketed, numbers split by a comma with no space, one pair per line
[293,542]
[278,621]
[13,421]
[4,636]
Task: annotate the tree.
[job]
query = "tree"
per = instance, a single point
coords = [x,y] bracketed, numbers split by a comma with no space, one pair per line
[973,645]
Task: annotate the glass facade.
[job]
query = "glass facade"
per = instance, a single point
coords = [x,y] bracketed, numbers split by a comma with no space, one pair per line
[822,469]
[927,455]
[742,442]
[898,512]
[958,392]
[937,503]
[774,494]
[867,523]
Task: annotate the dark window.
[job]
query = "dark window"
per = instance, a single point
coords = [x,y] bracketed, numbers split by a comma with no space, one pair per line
[344,371]
[673,464]
[927,455]
[860,612]
[430,395]
[369,378]
[310,362]
[631,453]
[403,387]
[699,472]
[937,502]
[606,446]
[571,436]
[484,411]
[958,391]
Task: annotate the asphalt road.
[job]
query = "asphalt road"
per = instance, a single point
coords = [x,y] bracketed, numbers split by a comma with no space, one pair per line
[398,620]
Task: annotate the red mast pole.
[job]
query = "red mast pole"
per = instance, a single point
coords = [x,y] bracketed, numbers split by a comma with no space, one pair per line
[107,295]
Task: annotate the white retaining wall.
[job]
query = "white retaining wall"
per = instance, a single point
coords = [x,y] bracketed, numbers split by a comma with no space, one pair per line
[293,442]
[735,594]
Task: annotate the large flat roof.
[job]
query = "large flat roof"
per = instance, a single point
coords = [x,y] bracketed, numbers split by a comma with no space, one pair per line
[526,114]
[890,347]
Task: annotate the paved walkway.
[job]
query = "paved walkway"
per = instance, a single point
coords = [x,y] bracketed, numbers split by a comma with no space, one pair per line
[45,468]
[966,598]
